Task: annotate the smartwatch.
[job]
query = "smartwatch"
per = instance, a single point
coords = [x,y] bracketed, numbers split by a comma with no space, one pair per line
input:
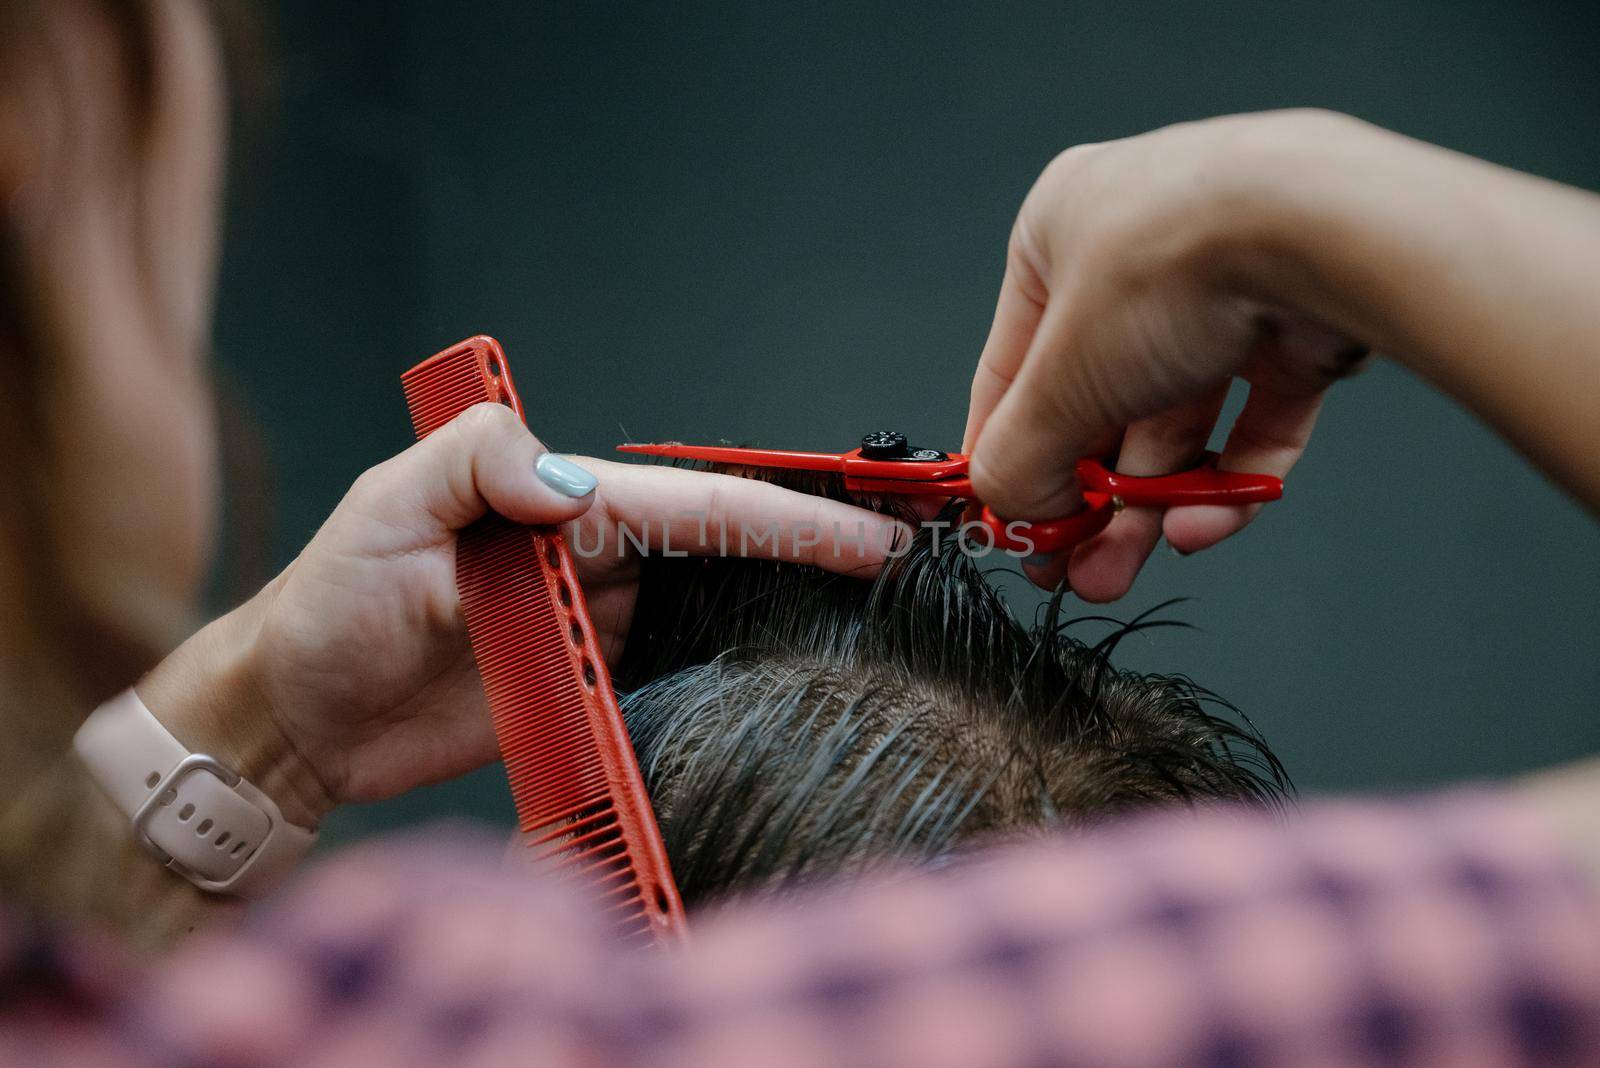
[195,815]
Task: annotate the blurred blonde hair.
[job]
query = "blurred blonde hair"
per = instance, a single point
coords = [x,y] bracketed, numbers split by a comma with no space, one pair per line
[64,644]
[83,88]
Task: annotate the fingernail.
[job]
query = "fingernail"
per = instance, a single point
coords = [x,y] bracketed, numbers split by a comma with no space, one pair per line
[1348,360]
[1176,551]
[564,476]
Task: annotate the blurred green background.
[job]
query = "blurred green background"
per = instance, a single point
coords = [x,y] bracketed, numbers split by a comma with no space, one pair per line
[785,224]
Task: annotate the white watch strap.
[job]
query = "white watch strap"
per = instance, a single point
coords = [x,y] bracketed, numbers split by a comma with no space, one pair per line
[197,816]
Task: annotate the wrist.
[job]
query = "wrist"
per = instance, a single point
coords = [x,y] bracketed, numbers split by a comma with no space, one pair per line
[1284,222]
[207,693]
[1349,225]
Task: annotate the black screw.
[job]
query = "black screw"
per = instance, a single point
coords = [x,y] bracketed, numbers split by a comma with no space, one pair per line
[885,445]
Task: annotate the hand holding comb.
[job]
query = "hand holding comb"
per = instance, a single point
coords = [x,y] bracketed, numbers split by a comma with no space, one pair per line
[581,802]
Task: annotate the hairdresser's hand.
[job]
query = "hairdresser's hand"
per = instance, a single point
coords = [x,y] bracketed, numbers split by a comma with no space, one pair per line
[349,677]
[1125,309]
[1281,248]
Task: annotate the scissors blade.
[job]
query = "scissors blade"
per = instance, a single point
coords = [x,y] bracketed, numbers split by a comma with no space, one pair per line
[728,454]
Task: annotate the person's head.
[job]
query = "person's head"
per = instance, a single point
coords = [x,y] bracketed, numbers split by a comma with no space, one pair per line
[111,134]
[791,723]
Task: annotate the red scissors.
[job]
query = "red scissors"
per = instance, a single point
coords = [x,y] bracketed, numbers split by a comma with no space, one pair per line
[886,464]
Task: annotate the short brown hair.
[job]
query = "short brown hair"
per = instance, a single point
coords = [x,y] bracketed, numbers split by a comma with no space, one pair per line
[791,722]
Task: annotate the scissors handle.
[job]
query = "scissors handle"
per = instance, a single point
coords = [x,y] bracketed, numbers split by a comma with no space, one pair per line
[1201,484]
[1052,536]
[1105,492]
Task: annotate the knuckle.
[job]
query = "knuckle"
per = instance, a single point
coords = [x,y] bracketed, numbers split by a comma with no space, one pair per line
[1028,258]
[1346,362]
[716,507]
[1050,213]
[997,484]
[988,380]
[1066,173]
[807,552]
[1315,116]
[1063,165]
[1177,432]
[1264,441]
[1308,124]
[371,481]
[1020,245]
[486,420]
[490,425]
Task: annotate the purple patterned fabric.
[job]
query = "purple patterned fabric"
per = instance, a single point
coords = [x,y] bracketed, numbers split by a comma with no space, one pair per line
[1446,931]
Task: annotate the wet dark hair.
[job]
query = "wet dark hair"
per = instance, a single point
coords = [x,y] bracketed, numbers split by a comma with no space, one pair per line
[792,723]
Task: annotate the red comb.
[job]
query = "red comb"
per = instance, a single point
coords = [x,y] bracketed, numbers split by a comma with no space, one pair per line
[581,803]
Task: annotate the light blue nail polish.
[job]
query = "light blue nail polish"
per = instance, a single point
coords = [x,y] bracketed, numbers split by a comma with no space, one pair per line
[564,476]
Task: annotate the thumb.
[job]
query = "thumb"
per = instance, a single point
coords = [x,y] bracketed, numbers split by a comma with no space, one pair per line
[484,460]
[1103,357]
[1023,464]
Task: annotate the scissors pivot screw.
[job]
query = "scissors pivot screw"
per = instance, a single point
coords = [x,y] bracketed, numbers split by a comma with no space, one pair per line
[885,445]
[892,445]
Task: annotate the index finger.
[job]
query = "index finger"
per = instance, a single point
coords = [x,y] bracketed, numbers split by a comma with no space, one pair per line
[704,513]
[1016,319]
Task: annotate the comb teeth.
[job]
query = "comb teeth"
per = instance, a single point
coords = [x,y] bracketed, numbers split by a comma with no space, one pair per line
[441,388]
[581,803]
[550,780]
